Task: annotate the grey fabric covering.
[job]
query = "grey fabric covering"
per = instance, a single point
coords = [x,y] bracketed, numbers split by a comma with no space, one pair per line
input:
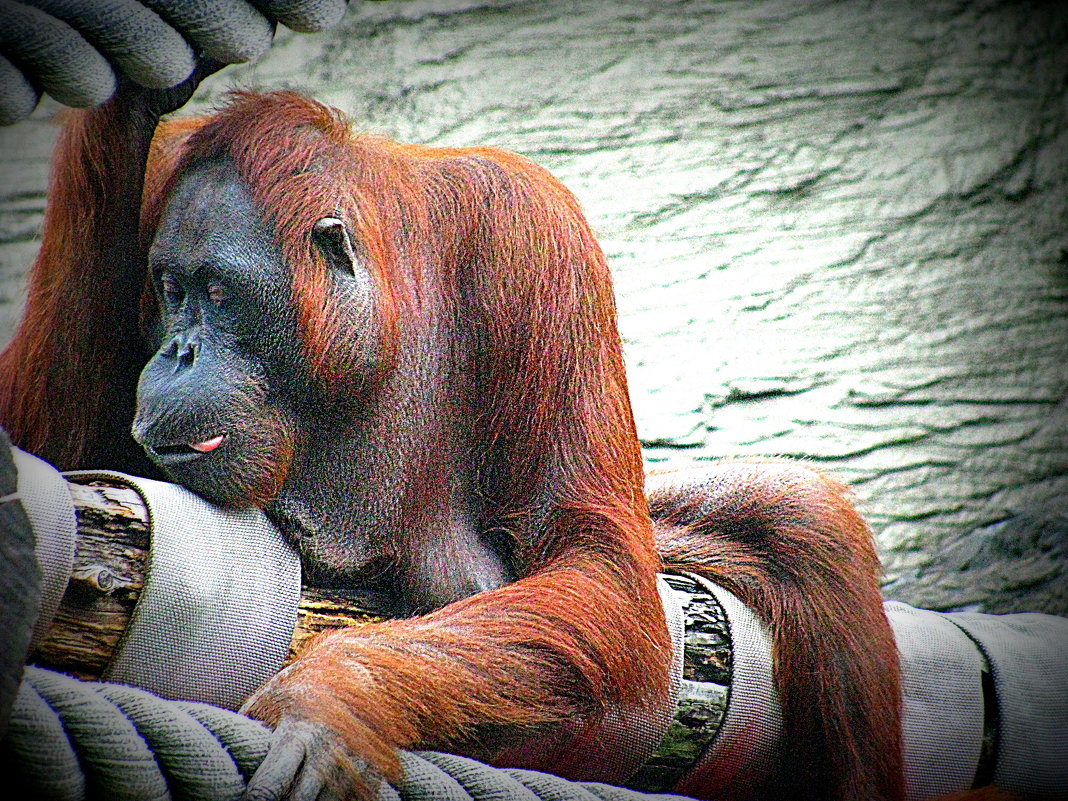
[942,701]
[134,38]
[218,608]
[1028,656]
[702,691]
[17,96]
[748,743]
[48,504]
[216,615]
[56,57]
[20,583]
[130,744]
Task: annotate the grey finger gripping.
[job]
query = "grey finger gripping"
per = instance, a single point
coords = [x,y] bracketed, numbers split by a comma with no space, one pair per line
[132,36]
[76,50]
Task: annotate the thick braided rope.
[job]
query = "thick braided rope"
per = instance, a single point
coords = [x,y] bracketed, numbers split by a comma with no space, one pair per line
[69,739]
[76,50]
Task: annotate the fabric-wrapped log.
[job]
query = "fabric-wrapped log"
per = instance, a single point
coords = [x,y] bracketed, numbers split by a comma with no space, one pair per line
[77,51]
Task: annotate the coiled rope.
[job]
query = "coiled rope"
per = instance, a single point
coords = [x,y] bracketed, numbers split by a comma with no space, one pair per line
[69,740]
[76,51]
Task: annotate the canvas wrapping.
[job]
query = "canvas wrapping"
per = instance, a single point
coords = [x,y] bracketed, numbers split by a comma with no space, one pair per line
[219,604]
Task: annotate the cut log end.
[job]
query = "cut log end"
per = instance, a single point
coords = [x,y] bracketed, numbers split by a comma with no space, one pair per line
[110,566]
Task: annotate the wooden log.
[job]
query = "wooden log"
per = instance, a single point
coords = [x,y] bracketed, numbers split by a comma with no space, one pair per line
[110,564]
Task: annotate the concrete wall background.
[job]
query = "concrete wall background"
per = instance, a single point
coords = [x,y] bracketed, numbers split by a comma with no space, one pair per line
[837,229]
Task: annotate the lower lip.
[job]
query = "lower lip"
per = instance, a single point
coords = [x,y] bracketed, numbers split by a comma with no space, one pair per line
[175,459]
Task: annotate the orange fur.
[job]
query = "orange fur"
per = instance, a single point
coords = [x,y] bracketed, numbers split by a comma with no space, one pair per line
[492,240]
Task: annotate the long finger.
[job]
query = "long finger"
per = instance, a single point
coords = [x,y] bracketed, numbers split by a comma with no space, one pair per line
[277,773]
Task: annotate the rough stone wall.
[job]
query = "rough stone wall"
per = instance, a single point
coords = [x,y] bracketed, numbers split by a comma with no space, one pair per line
[838,232]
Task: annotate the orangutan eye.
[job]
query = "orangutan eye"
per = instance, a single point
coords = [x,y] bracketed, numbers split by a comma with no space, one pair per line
[217,294]
[172,290]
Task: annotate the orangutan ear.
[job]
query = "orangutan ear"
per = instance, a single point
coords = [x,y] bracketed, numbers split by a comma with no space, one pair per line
[332,238]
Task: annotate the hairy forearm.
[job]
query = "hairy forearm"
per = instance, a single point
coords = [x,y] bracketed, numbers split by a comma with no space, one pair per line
[63,367]
[478,673]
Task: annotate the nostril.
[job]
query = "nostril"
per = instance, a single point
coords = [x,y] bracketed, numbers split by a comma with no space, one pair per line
[187,355]
[182,351]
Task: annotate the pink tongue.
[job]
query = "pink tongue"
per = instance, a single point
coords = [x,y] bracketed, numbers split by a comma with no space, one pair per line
[208,444]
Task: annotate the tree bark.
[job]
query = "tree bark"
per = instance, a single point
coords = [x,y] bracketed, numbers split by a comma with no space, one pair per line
[110,565]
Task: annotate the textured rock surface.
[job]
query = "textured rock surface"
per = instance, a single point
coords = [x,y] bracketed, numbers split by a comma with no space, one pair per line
[837,230]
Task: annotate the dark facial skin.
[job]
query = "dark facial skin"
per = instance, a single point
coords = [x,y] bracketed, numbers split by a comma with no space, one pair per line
[215,405]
